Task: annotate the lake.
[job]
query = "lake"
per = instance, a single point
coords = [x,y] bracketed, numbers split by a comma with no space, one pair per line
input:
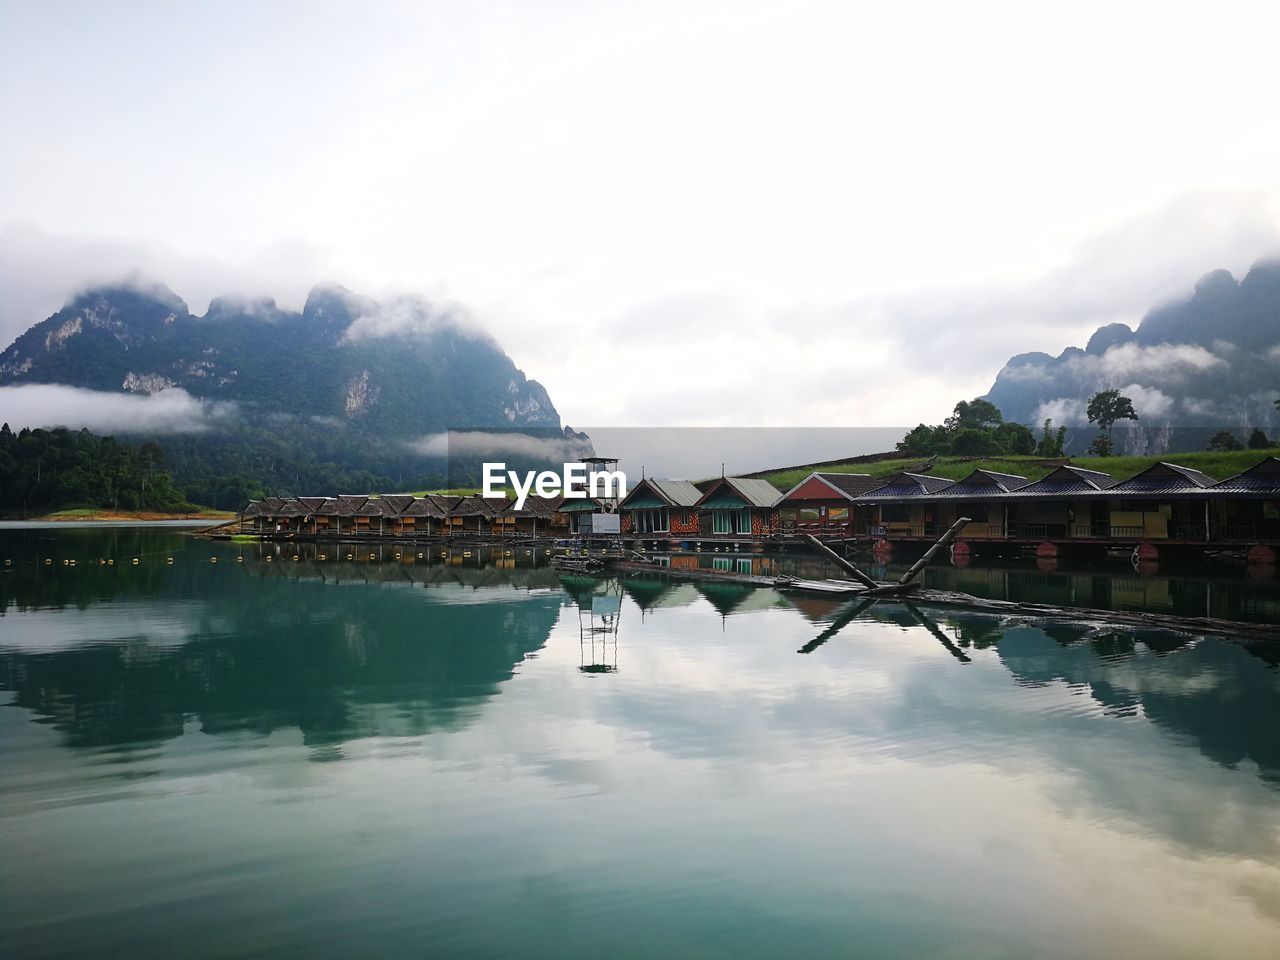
[474,757]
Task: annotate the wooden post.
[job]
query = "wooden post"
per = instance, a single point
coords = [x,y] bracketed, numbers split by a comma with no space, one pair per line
[944,540]
[841,562]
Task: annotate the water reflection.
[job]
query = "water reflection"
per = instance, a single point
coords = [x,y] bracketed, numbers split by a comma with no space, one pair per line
[563,766]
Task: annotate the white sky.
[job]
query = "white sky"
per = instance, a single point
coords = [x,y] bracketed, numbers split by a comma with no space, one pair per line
[785,213]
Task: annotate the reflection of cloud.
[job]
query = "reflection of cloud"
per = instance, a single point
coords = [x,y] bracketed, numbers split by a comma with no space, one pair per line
[55,405]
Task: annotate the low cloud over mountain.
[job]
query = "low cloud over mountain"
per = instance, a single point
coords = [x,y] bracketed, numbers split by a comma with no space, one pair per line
[1210,360]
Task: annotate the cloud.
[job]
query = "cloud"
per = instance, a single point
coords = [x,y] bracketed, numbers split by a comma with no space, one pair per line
[475,443]
[40,271]
[55,405]
[409,315]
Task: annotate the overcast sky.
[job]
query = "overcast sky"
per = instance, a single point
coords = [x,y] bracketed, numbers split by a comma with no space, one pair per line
[788,213]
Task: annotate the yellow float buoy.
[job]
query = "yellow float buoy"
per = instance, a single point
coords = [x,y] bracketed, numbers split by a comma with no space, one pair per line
[323,557]
[371,556]
[239,559]
[111,563]
[73,563]
[169,560]
[213,559]
[349,557]
[47,561]
[136,561]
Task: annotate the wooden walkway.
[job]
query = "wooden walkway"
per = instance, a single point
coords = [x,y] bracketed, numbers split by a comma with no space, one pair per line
[1197,626]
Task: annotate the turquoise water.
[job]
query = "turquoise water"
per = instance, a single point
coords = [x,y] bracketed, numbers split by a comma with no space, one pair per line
[474,758]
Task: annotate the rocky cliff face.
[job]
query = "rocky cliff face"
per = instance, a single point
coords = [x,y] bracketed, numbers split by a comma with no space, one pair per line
[406,366]
[336,396]
[1209,361]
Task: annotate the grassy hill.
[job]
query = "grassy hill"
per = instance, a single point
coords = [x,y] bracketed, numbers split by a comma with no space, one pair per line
[1217,465]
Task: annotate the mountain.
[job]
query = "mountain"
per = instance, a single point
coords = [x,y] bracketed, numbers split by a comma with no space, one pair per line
[332,397]
[1209,361]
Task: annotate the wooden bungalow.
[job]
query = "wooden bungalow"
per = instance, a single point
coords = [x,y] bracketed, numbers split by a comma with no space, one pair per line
[475,514]
[981,496]
[738,507]
[576,513]
[374,516]
[822,504]
[540,516]
[661,506]
[1163,502]
[904,505]
[1246,507]
[1062,505]
[424,516]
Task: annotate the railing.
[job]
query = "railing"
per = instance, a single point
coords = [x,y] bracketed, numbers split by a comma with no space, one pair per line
[1090,531]
[1127,532]
[983,531]
[1187,531]
[1235,531]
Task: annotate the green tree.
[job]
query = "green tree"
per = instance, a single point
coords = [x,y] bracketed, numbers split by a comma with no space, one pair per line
[1015,439]
[1052,441]
[1259,440]
[1224,440]
[1105,408]
[977,414]
[972,442]
[924,441]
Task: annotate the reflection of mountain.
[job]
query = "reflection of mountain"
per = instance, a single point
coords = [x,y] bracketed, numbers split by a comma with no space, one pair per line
[1215,694]
[267,652]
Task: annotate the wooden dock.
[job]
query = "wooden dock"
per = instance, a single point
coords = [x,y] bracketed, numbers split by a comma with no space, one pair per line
[919,596]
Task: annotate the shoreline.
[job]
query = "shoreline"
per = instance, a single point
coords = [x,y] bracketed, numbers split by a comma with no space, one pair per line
[121,516]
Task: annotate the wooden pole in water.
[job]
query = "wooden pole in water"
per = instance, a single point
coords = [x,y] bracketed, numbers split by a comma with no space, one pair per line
[944,540]
[841,562]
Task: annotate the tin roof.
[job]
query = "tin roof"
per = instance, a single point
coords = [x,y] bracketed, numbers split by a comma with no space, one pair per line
[850,484]
[1068,480]
[846,485]
[1259,480]
[753,492]
[1166,479]
[671,493]
[906,484]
